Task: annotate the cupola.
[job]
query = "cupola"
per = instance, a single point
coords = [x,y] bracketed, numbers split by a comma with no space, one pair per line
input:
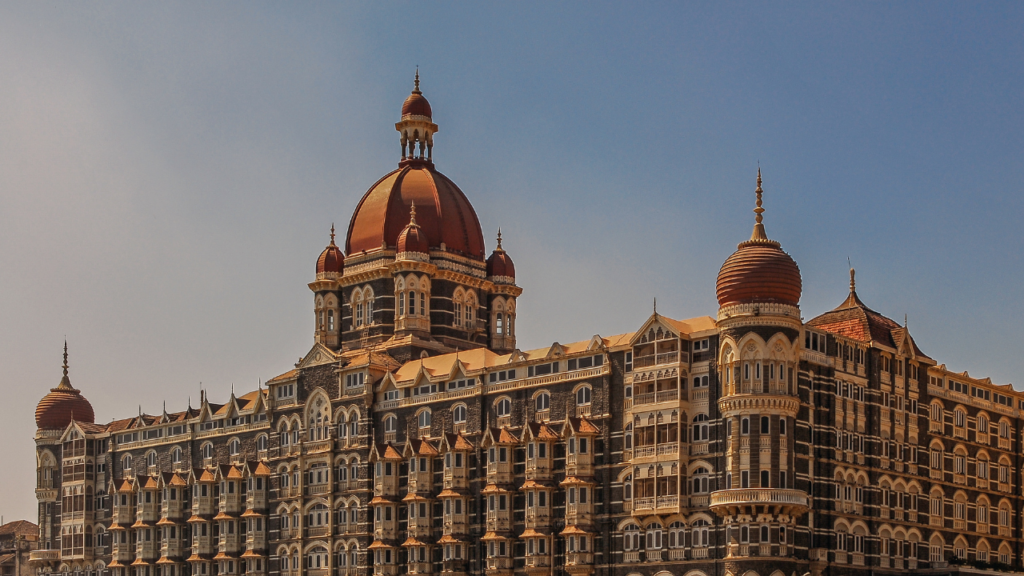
[416,127]
[412,240]
[759,271]
[63,404]
[331,262]
[500,268]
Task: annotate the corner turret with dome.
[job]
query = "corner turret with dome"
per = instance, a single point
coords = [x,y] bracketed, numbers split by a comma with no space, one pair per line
[63,404]
[414,280]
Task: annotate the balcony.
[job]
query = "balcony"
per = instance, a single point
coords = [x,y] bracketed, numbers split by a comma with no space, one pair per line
[631,556]
[44,556]
[538,561]
[577,513]
[499,563]
[579,464]
[499,472]
[675,554]
[653,555]
[725,502]
[657,359]
[538,517]
[538,469]
[498,520]
[385,569]
[579,558]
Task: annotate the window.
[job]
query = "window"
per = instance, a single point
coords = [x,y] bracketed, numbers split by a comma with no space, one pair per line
[503,407]
[543,401]
[745,426]
[631,537]
[207,451]
[765,424]
[391,423]
[782,426]
[700,428]
[583,396]
[459,414]
[424,419]
[176,455]
[151,459]
[234,447]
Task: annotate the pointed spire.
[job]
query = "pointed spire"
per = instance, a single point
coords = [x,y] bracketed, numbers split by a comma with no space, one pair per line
[758,233]
[758,236]
[499,240]
[332,233]
[416,85]
[412,213]
[65,381]
[853,281]
[655,305]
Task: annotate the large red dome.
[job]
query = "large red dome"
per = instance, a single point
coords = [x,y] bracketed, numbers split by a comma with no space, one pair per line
[64,403]
[443,213]
[759,272]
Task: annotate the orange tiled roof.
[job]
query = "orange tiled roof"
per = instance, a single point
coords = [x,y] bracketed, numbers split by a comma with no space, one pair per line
[541,431]
[412,542]
[492,536]
[413,497]
[492,489]
[573,529]
[18,527]
[286,376]
[380,500]
[449,493]
[422,447]
[377,544]
[853,319]
[531,533]
[448,539]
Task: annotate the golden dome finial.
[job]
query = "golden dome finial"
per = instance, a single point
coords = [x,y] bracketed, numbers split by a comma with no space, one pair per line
[499,238]
[758,235]
[65,382]
[412,214]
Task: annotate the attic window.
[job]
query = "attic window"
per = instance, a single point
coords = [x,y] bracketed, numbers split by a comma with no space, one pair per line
[286,391]
[426,389]
[701,345]
[464,383]
[542,369]
[502,376]
[354,380]
[587,362]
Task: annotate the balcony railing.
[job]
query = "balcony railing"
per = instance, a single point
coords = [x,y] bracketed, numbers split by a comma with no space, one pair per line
[44,556]
[578,558]
[753,496]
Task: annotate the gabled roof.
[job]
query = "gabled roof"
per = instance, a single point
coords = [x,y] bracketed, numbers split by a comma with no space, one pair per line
[420,447]
[385,452]
[457,442]
[499,436]
[289,375]
[581,426]
[540,431]
[678,327]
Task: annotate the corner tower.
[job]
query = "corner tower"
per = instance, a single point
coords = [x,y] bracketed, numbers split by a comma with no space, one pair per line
[758,291]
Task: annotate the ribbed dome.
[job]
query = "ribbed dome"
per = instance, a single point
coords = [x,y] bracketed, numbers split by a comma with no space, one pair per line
[759,273]
[412,238]
[416,104]
[759,270]
[443,212]
[331,259]
[56,410]
[499,263]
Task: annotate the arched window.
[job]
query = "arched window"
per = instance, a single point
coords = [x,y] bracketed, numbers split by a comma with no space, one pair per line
[700,480]
[628,437]
[503,407]
[342,426]
[631,537]
[367,306]
[207,451]
[151,459]
[176,455]
[676,530]
[424,419]
[391,423]
[543,401]
[316,558]
[459,414]
[234,447]
[499,327]
[654,536]
[700,428]
[583,396]
[126,463]
[700,534]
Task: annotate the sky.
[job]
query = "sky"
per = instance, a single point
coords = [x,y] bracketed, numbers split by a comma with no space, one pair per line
[169,173]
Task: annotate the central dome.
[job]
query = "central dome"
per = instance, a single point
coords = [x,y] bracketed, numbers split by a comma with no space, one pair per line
[443,213]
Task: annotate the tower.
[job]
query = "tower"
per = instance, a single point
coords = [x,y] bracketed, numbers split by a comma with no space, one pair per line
[758,292]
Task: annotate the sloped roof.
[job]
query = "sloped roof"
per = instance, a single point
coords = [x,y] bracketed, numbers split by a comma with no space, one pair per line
[286,376]
[18,527]
[855,320]
[541,431]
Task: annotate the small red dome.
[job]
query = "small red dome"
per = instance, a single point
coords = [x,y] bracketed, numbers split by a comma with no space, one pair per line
[760,272]
[56,410]
[412,238]
[331,259]
[499,263]
[416,105]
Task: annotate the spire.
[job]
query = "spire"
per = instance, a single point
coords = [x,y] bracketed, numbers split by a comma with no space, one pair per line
[416,84]
[412,213]
[65,381]
[655,305]
[499,248]
[758,233]
[758,236]
[853,281]
[332,233]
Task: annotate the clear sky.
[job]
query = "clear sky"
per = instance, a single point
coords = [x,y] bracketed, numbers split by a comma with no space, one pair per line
[169,173]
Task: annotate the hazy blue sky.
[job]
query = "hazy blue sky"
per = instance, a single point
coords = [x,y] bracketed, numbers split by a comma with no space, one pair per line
[169,172]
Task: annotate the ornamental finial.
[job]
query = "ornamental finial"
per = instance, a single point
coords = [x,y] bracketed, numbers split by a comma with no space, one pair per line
[416,88]
[412,214]
[853,281]
[499,238]
[65,358]
[332,233]
[758,235]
